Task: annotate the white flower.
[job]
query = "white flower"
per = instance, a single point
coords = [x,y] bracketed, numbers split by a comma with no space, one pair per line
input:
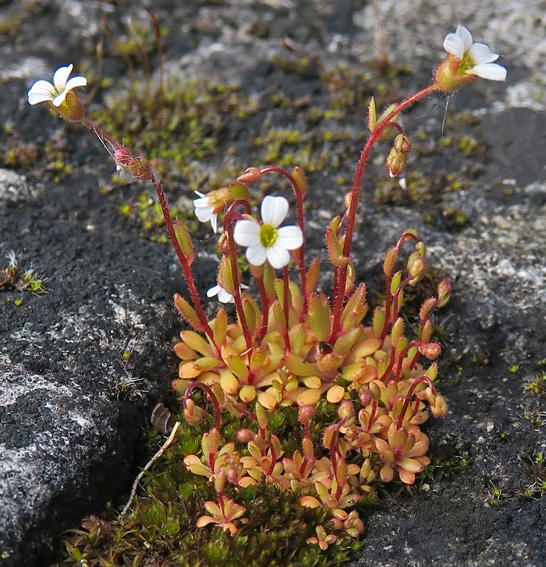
[266,241]
[204,211]
[44,91]
[476,58]
[223,295]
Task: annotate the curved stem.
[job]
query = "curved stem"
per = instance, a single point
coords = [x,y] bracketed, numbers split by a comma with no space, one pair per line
[339,292]
[286,308]
[409,395]
[194,384]
[111,146]
[229,223]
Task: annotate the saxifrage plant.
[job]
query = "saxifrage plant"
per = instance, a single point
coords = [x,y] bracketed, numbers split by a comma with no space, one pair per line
[362,389]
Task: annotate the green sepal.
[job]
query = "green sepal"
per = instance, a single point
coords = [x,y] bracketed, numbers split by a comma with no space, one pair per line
[239,191]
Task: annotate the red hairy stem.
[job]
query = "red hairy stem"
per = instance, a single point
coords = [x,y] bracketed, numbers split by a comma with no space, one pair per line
[273,459]
[389,316]
[339,292]
[409,395]
[286,308]
[399,360]
[221,502]
[265,308]
[112,146]
[186,267]
[229,223]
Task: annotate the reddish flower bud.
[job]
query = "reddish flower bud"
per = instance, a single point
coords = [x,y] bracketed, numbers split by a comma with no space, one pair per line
[250,175]
[305,414]
[245,435]
[398,156]
[430,350]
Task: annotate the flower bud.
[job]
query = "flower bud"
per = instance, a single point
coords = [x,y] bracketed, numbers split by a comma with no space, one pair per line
[346,409]
[444,292]
[417,268]
[439,407]
[398,156]
[365,396]
[193,414]
[447,76]
[430,350]
[305,414]
[250,175]
[137,166]
[390,260]
[428,304]
[245,435]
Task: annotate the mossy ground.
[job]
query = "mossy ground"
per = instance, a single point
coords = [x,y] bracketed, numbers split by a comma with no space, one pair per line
[160,527]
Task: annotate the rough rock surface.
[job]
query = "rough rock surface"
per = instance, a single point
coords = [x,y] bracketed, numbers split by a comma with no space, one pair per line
[72,411]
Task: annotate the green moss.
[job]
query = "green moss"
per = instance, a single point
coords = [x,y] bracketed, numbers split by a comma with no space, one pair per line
[161,522]
[173,126]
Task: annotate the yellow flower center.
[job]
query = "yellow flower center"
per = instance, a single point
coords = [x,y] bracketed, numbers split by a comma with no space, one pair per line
[268,235]
[467,63]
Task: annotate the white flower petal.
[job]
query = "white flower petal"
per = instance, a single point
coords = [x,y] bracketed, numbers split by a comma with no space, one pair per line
[59,99]
[224,296]
[77,81]
[256,255]
[214,290]
[204,214]
[274,210]
[491,71]
[464,33]
[277,256]
[41,91]
[454,44]
[289,237]
[247,233]
[481,53]
[61,76]
[214,222]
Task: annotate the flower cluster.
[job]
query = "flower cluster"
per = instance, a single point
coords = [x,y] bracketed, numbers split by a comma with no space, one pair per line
[363,386]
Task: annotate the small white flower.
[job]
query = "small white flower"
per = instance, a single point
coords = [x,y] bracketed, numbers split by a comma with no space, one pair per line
[266,241]
[223,295]
[44,91]
[204,211]
[476,58]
